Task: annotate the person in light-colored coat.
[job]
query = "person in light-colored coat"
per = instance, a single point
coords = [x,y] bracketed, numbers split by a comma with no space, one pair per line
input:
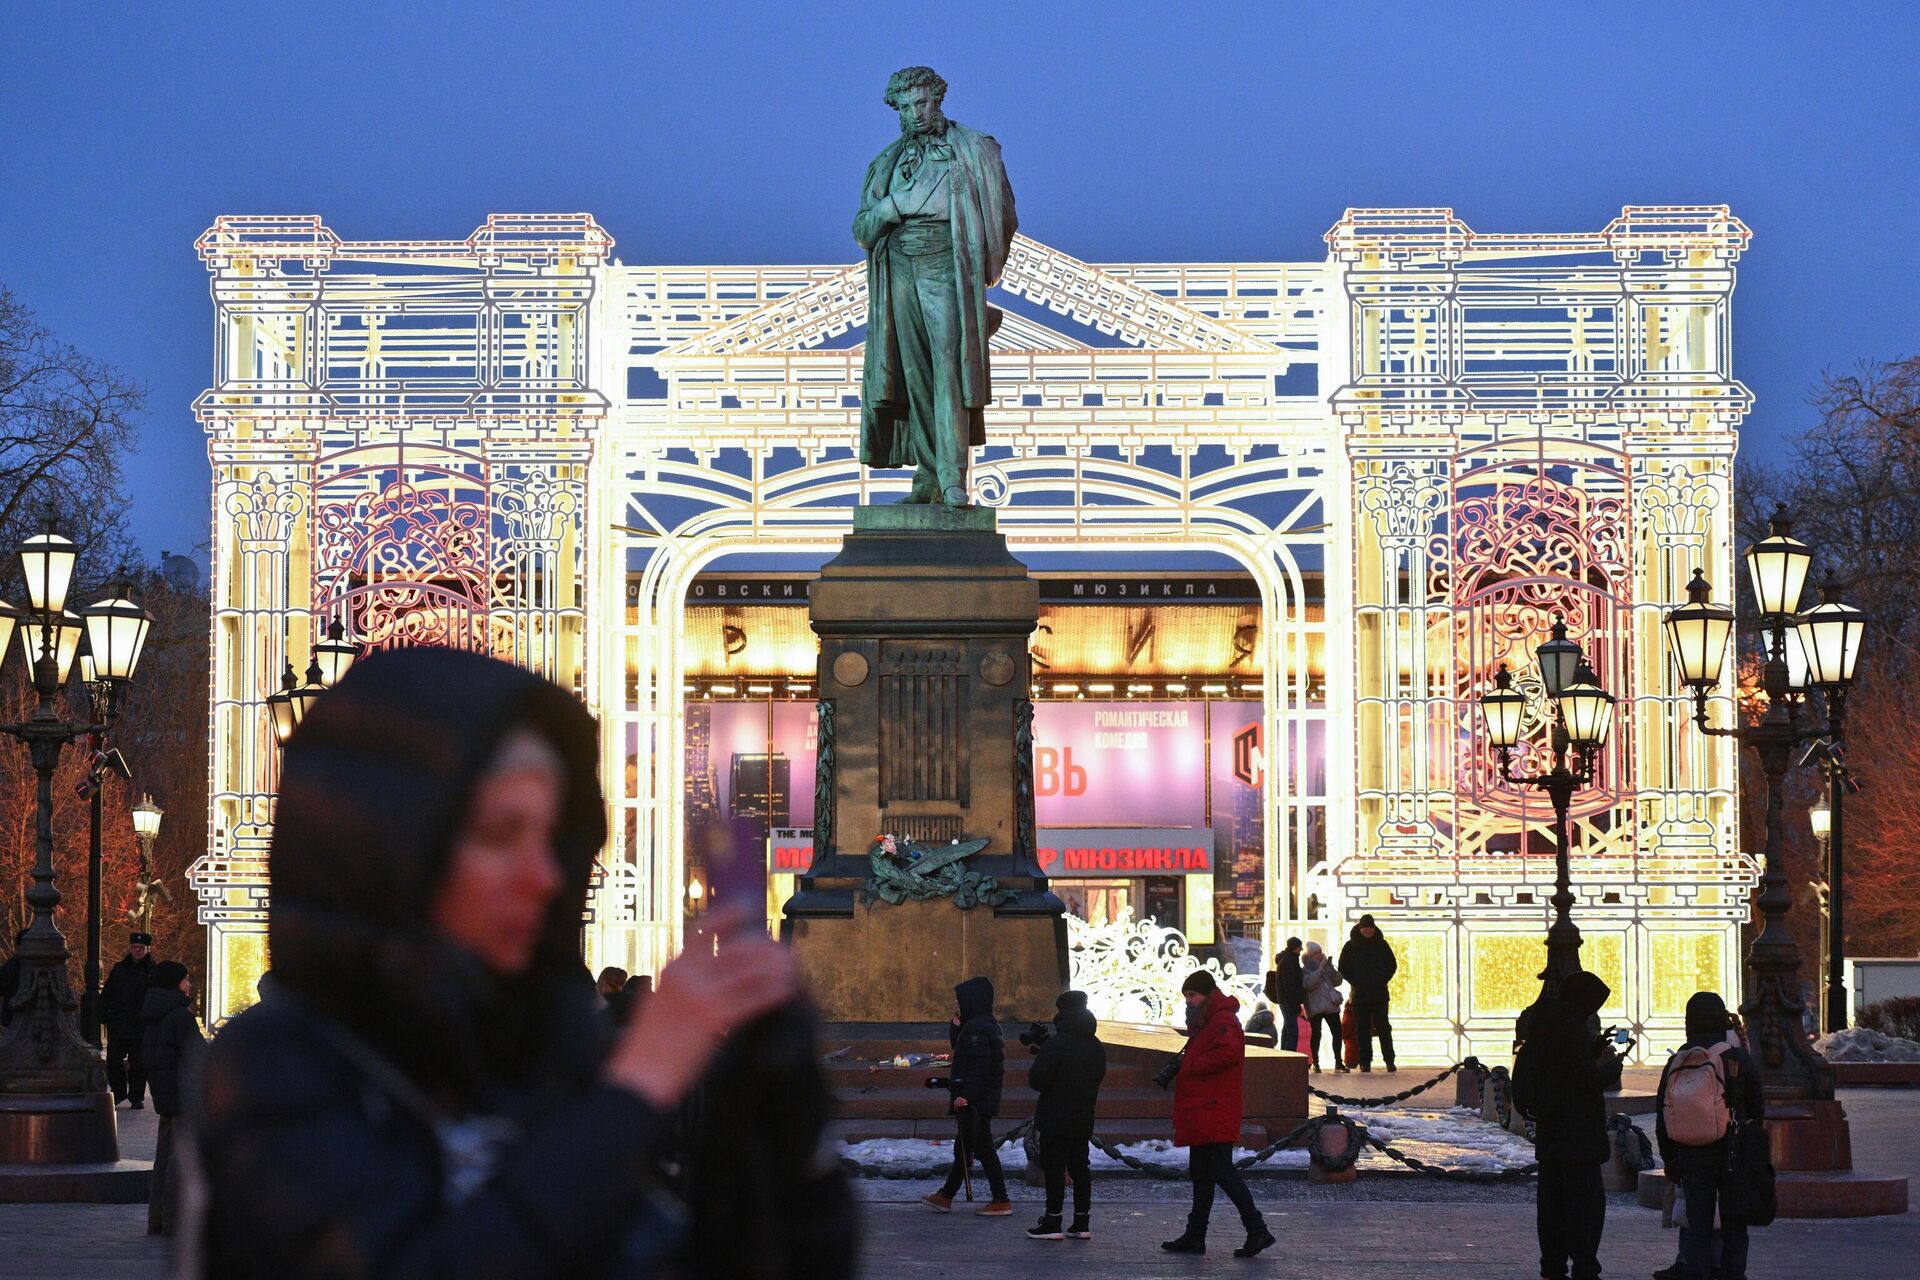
[1321,983]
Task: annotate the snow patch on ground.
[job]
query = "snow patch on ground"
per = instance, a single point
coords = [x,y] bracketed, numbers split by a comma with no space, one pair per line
[1857,1044]
[1456,1138]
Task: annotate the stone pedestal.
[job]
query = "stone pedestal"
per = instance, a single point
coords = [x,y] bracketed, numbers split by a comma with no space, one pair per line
[924,620]
[1812,1148]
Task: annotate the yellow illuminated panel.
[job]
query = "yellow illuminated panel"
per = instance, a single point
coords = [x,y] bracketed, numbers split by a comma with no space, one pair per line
[1419,986]
[1683,963]
[246,960]
[1506,969]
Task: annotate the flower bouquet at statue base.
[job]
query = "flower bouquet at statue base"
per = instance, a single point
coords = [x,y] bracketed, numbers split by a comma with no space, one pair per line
[905,870]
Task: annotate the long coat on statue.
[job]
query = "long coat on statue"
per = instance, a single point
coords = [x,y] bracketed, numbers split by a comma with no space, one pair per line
[983,227]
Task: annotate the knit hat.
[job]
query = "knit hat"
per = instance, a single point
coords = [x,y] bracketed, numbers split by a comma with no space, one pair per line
[1070,1000]
[1201,981]
[1366,922]
[168,974]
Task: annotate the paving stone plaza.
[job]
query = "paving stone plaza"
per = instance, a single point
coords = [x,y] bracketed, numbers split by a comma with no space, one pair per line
[1380,1226]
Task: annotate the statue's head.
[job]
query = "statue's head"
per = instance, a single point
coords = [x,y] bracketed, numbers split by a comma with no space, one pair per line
[916,93]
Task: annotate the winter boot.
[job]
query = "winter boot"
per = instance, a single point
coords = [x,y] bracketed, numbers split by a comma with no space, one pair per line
[1187,1242]
[1048,1228]
[996,1209]
[937,1202]
[1080,1230]
[1258,1238]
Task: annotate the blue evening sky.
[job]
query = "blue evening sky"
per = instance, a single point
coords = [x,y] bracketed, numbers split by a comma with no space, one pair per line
[1133,131]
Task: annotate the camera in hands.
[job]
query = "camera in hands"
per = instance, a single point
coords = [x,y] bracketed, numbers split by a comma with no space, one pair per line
[1035,1035]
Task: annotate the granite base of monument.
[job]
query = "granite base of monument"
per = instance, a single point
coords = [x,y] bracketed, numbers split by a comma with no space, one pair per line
[924,621]
[898,963]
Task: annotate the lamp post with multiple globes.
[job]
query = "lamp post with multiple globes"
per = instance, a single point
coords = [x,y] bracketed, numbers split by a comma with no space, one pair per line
[330,659]
[1829,636]
[1582,717]
[58,1110]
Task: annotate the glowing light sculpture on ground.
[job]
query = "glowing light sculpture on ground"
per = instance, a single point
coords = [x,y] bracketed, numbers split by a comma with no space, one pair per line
[512,442]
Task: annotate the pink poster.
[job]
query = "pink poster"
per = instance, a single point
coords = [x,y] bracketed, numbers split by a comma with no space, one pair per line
[754,760]
[1120,764]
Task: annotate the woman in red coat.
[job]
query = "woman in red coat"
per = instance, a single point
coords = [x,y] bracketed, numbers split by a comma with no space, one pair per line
[1206,1114]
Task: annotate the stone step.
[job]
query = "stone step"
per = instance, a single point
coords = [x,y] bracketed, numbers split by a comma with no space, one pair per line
[1834,1194]
[122,1182]
[1876,1073]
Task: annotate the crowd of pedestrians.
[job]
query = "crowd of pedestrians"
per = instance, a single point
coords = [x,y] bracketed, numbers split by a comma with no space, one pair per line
[431,1084]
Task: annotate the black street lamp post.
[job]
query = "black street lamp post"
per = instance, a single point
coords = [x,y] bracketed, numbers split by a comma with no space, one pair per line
[1820,818]
[101,704]
[1582,717]
[1829,637]
[54,1083]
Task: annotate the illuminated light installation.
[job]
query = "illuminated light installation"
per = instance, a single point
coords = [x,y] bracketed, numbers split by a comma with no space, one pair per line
[489,441]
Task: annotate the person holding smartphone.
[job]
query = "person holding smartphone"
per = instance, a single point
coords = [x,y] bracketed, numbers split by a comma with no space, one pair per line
[432,1090]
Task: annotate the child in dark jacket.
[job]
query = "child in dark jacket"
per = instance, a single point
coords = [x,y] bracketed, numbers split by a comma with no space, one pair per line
[1067,1070]
[979,1062]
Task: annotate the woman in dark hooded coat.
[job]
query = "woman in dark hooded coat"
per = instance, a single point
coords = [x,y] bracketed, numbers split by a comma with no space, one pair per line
[430,1092]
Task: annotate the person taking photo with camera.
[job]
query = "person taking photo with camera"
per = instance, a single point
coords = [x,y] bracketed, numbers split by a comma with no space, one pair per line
[1068,1067]
[979,1063]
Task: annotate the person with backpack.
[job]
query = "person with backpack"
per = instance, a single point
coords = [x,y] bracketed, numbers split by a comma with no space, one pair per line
[1283,988]
[1561,1074]
[1708,1087]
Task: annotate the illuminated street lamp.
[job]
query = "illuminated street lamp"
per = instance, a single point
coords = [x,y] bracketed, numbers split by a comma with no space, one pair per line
[1582,719]
[334,654]
[146,828]
[1829,636]
[284,708]
[44,1056]
[325,667]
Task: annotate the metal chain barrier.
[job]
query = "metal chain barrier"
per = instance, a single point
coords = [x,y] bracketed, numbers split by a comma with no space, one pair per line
[1403,1095]
[1418,1165]
[1175,1173]
[1357,1137]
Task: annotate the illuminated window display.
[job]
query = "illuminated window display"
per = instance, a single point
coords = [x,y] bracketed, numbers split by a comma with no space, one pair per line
[1409,455]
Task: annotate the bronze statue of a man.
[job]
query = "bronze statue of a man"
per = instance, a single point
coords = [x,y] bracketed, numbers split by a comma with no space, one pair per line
[936,218]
